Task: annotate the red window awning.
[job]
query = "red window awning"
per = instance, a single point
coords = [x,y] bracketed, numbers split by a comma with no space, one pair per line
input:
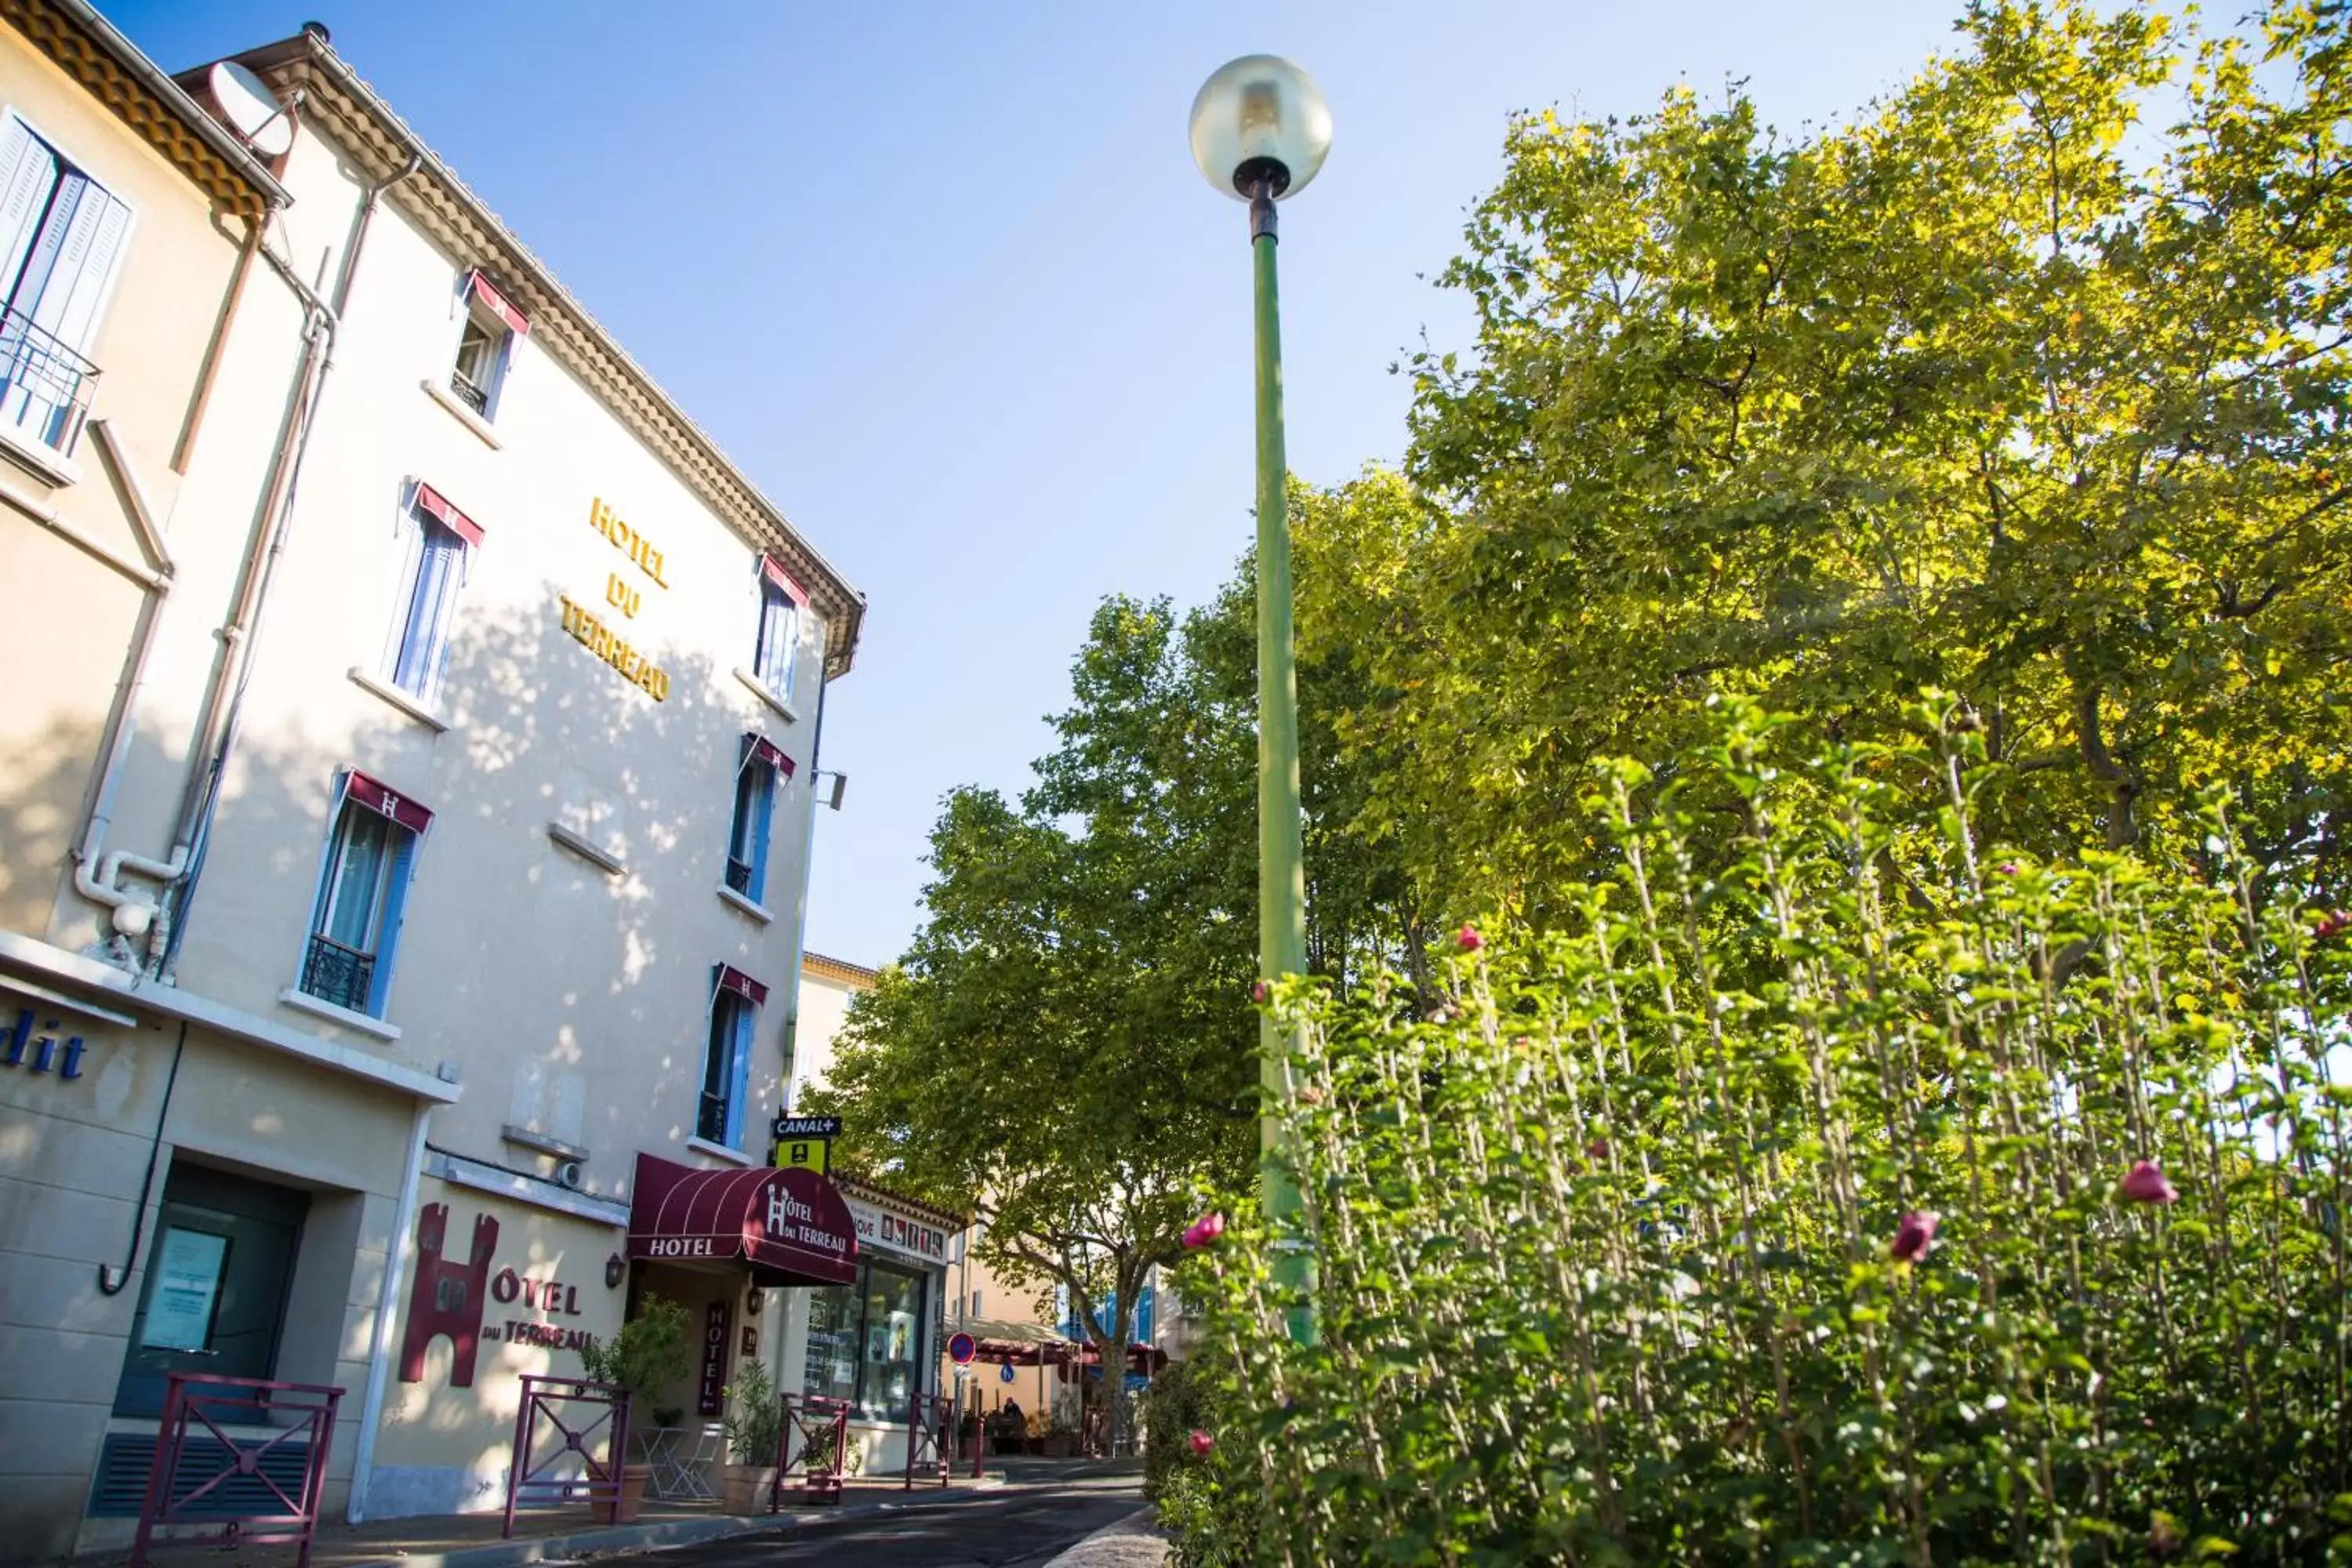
[383,799]
[789,1227]
[773,571]
[730,978]
[496,303]
[435,505]
[766,751]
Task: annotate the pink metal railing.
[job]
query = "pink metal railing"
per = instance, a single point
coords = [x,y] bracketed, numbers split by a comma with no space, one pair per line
[822,1427]
[294,1410]
[532,1485]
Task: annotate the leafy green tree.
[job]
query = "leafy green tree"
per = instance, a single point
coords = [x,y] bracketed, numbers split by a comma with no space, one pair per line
[2001,389]
[1069,1043]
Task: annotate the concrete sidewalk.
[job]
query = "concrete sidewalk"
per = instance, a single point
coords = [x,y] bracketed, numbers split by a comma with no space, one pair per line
[1133,1542]
[541,1535]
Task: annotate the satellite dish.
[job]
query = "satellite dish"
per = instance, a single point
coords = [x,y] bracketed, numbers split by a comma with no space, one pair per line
[251,110]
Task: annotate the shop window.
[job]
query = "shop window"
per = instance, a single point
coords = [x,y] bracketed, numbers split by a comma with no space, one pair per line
[866,1341]
[61,235]
[735,1000]
[486,337]
[757,768]
[777,655]
[441,542]
[355,923]
[218,1271]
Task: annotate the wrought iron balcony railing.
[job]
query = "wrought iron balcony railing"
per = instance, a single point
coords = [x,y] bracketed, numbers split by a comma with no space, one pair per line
[45,386]
[710,1121]
[339,974]
[477,398]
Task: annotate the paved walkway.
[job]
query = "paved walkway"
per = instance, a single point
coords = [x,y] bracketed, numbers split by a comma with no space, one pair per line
[1133,1542]
[547,1535]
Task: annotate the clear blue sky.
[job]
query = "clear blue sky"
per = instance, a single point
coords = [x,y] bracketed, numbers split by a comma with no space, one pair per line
[943,279]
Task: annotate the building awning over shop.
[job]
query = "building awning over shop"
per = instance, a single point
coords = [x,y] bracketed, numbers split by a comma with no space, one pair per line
[789,1226]
[999,1342]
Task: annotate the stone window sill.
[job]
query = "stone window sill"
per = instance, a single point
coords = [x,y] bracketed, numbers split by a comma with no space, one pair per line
[760,689]
[462,415]
[564,838]
[719,1151]
[45,463]
[398,698]
[541,1143]
[760,912]
[303,1002]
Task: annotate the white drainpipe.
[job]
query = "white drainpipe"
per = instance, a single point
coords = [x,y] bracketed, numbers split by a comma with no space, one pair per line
[387,1310]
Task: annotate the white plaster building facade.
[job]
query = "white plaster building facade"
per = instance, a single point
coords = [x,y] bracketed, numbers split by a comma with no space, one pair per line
[428,848]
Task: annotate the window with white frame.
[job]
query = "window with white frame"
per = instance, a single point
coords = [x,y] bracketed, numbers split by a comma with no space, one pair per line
[488,332]
[782,607]
[758,769]
[440,541]
[735,1001]
[355,921]
[61,235]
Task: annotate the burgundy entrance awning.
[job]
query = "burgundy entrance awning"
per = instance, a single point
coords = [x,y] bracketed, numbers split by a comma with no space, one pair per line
[791,1226]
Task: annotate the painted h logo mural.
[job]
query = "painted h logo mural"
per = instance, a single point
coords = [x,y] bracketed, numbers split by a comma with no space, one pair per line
[446,1297]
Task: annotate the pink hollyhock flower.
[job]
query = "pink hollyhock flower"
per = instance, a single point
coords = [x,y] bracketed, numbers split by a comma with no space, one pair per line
[2144,1184]
[1309,1094]
[1598,1148]
[1202,1443]
[2334,924]
[1914,1236]
[1204,1230]
[1469,940]
[2007,867]
[1258,992]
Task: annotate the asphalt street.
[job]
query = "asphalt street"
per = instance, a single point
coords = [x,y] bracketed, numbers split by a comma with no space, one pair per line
[1022,1524]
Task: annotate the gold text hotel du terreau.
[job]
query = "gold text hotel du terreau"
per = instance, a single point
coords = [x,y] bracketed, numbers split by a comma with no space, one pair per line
[623,594]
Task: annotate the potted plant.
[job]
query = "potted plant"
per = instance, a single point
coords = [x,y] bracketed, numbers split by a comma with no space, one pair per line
[648,1353]
[755,1432]
[1059,1440]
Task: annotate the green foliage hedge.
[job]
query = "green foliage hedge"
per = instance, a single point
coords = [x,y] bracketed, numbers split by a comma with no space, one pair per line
[1606,1232]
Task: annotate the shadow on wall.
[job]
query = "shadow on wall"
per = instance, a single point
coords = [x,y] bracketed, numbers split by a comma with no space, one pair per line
[576,999]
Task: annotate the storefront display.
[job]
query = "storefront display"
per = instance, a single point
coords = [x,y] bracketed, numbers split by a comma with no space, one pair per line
[866,1341]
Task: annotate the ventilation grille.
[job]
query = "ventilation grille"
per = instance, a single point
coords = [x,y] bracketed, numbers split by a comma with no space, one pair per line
[124,1462]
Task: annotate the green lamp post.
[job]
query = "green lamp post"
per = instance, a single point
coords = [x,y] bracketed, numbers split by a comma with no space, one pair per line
[1260,131]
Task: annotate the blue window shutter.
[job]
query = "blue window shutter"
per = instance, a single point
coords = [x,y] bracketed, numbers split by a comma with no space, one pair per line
[68,308]
[395,910]
[740,1072]
[28,172]
[778,640]
[763,811]
[432,595]
[334,844]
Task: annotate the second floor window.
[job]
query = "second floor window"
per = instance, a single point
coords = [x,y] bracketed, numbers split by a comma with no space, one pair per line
[440,539]
[60,235]
[355,923]
[756,772]
[782,601]
[735,999]
[486,343]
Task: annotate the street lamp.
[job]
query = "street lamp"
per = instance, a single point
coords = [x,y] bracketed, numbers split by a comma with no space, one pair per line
[1260,131]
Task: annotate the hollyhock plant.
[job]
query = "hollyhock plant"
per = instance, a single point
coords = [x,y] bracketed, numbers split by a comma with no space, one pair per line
[1469,940]
[1204,1230]
[2144,1184]
[1914,1236]
[1258,992]
[1202,1443]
